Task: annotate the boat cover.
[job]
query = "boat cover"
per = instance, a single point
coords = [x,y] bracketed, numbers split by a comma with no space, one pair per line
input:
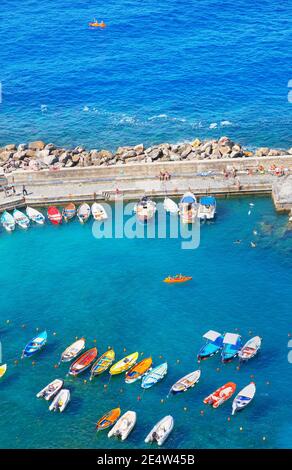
[231,338]
[208,201]
[212,335]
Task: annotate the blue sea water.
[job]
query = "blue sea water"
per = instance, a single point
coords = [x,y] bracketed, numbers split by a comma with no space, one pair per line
[110,290]
[161,71]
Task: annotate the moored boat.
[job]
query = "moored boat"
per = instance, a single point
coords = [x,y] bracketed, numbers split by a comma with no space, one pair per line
[3,369]
[102,363]
[83,213]
[145,209]
[98,212]
[188,208]
[243,398]
[177,279]
[20,219]
[160,432]
[108,419]
[212,346]
[124,425]
[83,362]
[35,215]
[50,390]
[73,350]
[207,208]
[35,345]
[69,211]
[7,221]
[186,382]
[54,215]
[124,364]
[170,206]
[250,349]
[60,401]
[220,395]
[138,370]
[154,376]
[231,346]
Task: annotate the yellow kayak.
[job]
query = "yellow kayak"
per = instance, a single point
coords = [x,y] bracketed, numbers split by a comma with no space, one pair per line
[3,369]
[124,364]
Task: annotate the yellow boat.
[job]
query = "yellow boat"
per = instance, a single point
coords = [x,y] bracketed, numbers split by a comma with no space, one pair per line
[103,363]
[3,369]
[124,364]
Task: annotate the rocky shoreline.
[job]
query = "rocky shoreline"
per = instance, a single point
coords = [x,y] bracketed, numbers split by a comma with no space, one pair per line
[39,155]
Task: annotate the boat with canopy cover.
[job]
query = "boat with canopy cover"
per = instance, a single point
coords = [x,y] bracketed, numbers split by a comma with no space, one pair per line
[212,346]
[207,208]
[231,346]
[188,208]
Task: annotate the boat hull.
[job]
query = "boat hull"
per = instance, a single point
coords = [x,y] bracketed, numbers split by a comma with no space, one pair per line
[83,362]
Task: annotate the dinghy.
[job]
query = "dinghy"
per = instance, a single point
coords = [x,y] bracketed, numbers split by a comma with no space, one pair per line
[207,208]
[250,349]
[124,364]
[35,215]
[161,430]
[98,212]
[51,389]
[83,213]
[231,346]
[188,381]
[188,208]
[54,215]
[60,401]
[102,363]
[20,219]
[7,221]
[108,419]
[170,206]
[35,344]
[69,211]
[154,376]
[138,370]
[212,346]
[177,279]
[243,398]
[124,425]
[83,362]
[73,350]
[145,209]
[220,395]
[3,370]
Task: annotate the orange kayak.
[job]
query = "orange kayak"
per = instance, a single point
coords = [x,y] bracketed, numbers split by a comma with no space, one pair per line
[177,279]
[108,419]
[220,395]
[138,370]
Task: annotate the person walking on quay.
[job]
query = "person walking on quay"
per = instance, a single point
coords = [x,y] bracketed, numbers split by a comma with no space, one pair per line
[24,191]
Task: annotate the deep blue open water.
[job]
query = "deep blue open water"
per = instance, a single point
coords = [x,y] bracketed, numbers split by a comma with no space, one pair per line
[66,281]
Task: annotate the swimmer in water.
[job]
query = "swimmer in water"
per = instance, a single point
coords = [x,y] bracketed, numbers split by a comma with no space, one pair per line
[237,242]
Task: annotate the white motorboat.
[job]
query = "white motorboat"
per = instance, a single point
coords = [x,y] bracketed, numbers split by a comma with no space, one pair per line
[170,206]
[83,213]
[98,212]
[20,219]
[7,221]
[161,430]
[60,401]
[145,209]
[188,208]
[244,397]
[207,208]
[35,215]
[124,425]
[250,349]
[73,350]
[51,389]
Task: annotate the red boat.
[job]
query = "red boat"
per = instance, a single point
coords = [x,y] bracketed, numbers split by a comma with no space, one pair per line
[54,215]
[83,362]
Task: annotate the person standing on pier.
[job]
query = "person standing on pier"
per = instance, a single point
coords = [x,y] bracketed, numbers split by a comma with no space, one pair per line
[24,191]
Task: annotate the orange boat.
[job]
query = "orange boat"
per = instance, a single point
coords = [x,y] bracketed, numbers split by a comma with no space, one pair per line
[138,370]
[176,279]
[220,395]
[96,24]
[108,419]
[83,362]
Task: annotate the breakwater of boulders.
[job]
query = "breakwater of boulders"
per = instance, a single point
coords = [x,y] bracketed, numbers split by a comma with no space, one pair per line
[39,155]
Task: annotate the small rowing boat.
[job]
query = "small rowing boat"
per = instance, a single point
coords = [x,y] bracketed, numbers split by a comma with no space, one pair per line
[60,401]
[154,376]
[83,213]
[3,370]
[35,215]
[243,398]
[98,211]
[124,364]
[170,206]
[73,350]
[35,344]
[50,390]
[250,349]
[83,362]
[20,219]
[145,209]
[138,370]
[188,381]
[179,278]
[108,419]
[212,346]
[231,346]
[220,395]
[102,363]
[7,221]
[69,211]
[161,430]
[188,208]
[54,215]
[124,425]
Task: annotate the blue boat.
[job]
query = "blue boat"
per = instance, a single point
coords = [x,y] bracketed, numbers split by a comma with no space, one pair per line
[154,376]
[212,346]
[207,208]
[231,346]
[35,344]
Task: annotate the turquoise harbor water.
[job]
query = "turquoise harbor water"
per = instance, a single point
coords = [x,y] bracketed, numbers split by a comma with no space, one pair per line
[64,280]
